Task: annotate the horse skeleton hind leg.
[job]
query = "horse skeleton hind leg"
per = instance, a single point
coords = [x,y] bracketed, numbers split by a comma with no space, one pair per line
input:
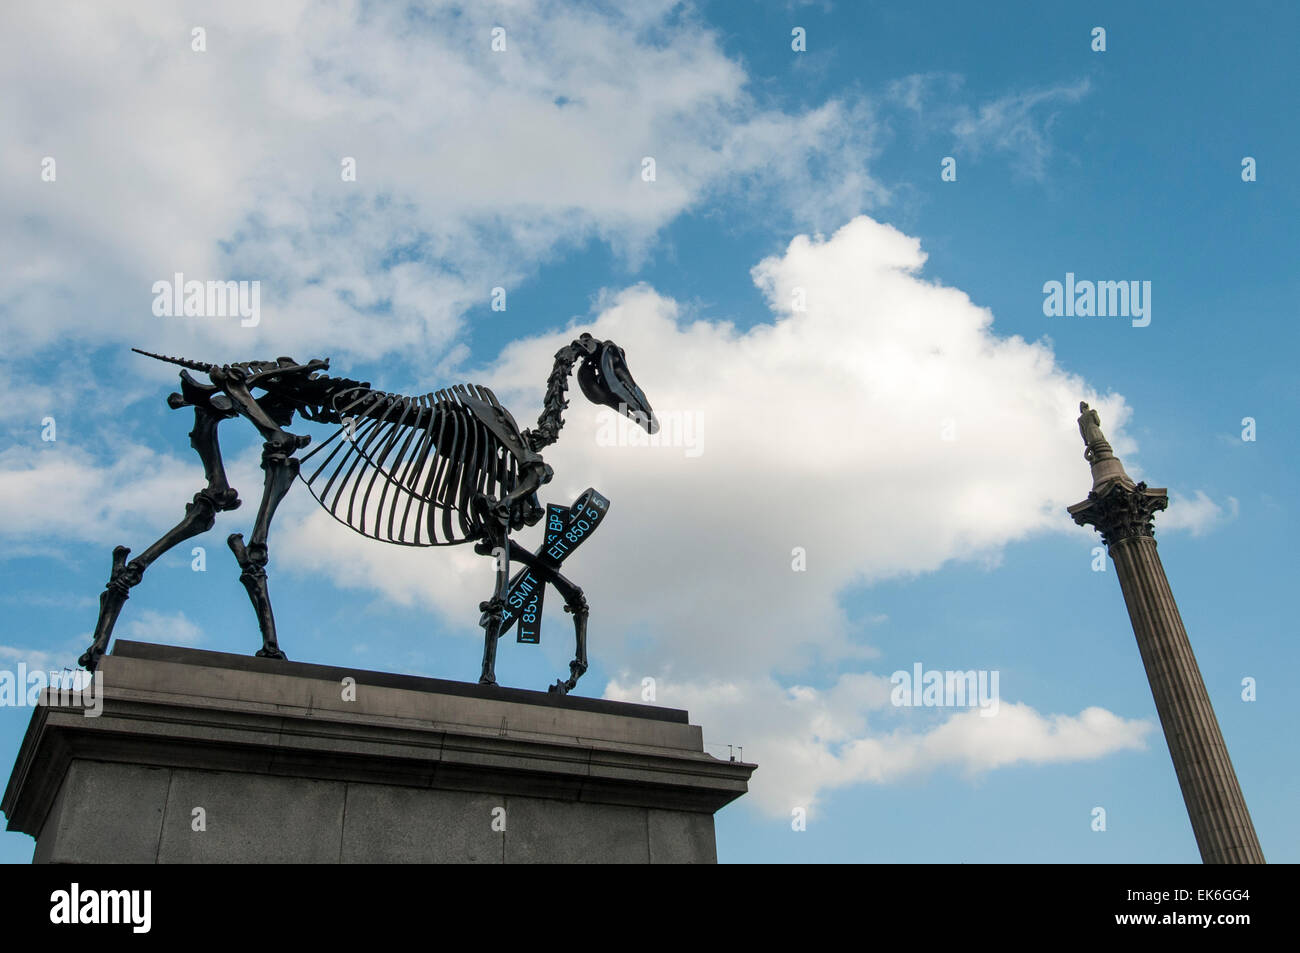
[494,609]
[576,604]
[210,408]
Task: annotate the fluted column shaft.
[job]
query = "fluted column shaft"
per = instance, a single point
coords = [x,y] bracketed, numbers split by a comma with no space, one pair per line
[1123,512]
[1215,805]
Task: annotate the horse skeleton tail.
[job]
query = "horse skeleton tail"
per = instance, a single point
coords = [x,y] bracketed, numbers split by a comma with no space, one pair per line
[182,361]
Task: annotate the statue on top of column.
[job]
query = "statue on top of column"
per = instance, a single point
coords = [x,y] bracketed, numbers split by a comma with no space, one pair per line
[1096,447]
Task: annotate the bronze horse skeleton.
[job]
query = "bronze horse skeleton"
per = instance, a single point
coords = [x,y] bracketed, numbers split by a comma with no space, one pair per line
[441,469]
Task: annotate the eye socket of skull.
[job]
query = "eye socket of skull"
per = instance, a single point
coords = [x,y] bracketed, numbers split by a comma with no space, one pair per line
[592,384]
[605,379]
[613,365]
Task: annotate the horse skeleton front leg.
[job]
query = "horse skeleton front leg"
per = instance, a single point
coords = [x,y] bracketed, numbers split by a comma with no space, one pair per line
[281,468]
[200,516]
[494,609]
[575,603]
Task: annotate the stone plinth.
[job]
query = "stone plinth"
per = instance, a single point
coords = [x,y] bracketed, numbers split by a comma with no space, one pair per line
[204,757]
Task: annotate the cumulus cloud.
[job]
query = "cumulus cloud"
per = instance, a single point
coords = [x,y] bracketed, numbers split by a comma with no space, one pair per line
[879,425]
[875,424]
[61,492]
[1198,514]
[174,628]
[472,165]
[35,660]
[809,742]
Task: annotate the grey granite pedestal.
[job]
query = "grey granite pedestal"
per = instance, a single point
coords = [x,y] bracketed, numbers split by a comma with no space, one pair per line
[204,757]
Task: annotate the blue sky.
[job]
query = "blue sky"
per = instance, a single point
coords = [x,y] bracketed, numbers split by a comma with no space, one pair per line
[820,428]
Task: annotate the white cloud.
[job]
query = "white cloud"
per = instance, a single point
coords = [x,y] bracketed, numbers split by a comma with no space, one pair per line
[148,625]
[60,492]
[36,660]
[822,427]
[48,600]
[1016,124]
[1198,515]
[823,430]
[472,166]
[920,92]
[809,742]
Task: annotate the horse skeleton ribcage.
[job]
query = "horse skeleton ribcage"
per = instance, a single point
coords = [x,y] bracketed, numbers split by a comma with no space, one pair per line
[405,469]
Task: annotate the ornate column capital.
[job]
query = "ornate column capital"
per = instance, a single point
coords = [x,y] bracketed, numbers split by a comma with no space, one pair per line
[1121,511]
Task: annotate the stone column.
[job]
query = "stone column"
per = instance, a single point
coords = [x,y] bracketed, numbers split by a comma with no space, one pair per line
[1123,512]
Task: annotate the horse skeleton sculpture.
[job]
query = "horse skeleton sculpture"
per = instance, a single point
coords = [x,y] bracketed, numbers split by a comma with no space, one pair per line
[441,469]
